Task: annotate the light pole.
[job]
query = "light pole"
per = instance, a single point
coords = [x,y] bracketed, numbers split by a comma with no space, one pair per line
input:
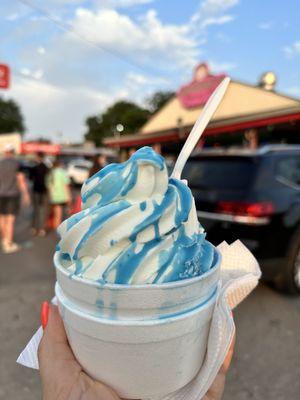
[119,128]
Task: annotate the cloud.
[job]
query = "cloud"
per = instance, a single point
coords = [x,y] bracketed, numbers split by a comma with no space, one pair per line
[13,17]
[62,107]
[41,50]
[136,78]
[293,49]
[267,25]
[216,6]
[106,55]
[212,12]
[218,67]
[64,2]
[139,87]
[145,40]
[121,3]
[145,80]
[56,109]
[37,74]
[217,20]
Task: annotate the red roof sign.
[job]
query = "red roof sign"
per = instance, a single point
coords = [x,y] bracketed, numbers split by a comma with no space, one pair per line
[4,76]
[197,92]
[35,147]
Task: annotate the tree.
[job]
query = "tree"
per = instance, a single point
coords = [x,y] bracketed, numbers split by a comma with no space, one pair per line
[158,100]
[125,113]
[11,118]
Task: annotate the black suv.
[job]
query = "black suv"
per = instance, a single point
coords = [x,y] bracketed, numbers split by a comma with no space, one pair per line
[253,196]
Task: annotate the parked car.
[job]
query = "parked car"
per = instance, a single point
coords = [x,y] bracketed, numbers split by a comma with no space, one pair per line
[253,196]
[78,170]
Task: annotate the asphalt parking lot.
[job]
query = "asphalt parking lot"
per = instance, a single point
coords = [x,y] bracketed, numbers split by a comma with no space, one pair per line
[266,362]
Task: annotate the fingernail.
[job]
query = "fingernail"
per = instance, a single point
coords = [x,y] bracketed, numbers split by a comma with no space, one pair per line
[44,313]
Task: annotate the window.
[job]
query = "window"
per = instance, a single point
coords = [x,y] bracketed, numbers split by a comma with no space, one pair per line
[220,173]
[81,167]
[288,169]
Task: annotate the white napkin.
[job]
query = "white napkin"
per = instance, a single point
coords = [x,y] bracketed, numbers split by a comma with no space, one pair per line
[239,275]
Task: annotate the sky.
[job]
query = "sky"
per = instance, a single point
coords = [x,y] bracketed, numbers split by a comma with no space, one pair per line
[73,58]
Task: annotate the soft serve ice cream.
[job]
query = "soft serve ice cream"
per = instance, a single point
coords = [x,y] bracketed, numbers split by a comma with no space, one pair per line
[137,226]
[134,319]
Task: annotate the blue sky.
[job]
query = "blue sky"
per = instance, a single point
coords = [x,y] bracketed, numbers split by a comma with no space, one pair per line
[73,58]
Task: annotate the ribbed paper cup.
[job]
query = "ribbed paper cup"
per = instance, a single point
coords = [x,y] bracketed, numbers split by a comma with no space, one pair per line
[141,340]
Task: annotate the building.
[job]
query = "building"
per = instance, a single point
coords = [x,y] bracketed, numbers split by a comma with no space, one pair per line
[12,139]
[65,151]
[248,115]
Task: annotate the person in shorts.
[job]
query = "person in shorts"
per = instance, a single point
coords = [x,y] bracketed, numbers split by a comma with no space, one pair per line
[13,188]
[58,184]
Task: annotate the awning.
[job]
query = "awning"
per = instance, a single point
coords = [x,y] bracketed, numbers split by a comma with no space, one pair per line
[229,125]
[36,147]
[57,149]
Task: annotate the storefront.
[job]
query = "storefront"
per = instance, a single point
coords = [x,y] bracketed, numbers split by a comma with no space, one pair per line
[248,115]
[65,151]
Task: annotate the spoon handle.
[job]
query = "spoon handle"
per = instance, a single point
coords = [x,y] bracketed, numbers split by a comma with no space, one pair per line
[199,127]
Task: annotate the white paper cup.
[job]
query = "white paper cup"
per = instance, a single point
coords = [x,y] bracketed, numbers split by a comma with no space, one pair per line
[139,359]
[141,340]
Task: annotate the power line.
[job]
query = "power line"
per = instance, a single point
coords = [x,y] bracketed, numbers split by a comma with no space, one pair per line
[70,29]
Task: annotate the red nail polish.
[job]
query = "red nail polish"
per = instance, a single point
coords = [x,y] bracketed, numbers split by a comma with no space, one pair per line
[44,313]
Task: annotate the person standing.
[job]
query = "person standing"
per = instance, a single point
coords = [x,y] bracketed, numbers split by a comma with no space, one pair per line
[12,186]
[98,163]
[38,176]
[58,184]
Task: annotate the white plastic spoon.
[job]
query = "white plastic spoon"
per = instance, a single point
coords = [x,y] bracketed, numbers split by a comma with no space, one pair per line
[199,127]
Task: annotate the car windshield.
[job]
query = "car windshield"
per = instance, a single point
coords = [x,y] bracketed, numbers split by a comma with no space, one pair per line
[219,172]
[82,167]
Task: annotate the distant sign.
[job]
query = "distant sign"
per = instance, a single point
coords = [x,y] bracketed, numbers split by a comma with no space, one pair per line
[4,76]
[197,92]
[36,147]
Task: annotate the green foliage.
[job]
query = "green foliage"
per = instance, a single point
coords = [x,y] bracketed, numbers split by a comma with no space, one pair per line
[126,113]
[11,118]
[158,100]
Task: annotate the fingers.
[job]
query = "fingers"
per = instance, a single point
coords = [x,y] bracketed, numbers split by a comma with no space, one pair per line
[62,376]
[55,327]
[54,340]
[228,358]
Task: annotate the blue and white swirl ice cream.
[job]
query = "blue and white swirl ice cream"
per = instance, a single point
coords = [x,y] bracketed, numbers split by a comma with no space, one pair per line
[137,226]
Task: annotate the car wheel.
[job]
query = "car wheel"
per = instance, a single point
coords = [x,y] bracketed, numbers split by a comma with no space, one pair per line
[289,281]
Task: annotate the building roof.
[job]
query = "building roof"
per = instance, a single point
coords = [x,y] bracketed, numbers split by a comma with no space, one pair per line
[241,101]
[246,151]
[244,106]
